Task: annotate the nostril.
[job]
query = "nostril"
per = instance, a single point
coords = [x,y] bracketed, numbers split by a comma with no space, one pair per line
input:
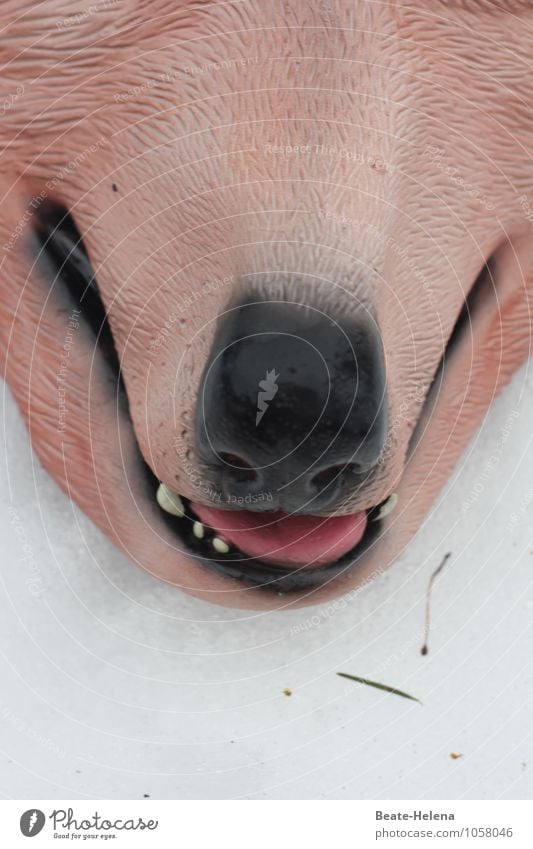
[239,468]
[329,476]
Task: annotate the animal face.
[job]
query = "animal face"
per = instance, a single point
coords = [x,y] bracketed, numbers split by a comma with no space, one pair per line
[276,257]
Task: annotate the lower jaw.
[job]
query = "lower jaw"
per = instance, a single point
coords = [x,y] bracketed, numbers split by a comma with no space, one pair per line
[260,574]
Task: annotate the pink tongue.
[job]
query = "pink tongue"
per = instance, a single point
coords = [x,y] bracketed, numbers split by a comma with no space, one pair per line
[281,538]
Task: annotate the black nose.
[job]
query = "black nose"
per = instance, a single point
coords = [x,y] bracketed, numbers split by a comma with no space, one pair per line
[291,410]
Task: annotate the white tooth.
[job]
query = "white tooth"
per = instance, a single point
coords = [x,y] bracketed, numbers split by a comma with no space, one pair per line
[219,545]
[198,530]
[387,508]
[169,501]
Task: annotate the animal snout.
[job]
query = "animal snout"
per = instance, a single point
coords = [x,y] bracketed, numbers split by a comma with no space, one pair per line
[291,410]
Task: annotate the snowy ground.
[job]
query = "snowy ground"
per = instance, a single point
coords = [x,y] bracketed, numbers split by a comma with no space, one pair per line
[116,686]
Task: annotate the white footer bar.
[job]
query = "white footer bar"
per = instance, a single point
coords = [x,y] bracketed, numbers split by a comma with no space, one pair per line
[267,824]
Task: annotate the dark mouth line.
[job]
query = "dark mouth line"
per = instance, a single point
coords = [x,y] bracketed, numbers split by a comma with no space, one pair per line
[479,290]
[62,258]
[64,262]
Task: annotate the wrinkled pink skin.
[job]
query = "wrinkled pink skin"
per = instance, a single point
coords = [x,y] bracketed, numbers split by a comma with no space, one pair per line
[201,198]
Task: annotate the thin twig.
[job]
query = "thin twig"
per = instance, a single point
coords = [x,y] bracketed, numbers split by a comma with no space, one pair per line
[438,570]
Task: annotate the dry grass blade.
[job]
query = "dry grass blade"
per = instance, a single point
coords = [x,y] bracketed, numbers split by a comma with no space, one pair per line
[375,684]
